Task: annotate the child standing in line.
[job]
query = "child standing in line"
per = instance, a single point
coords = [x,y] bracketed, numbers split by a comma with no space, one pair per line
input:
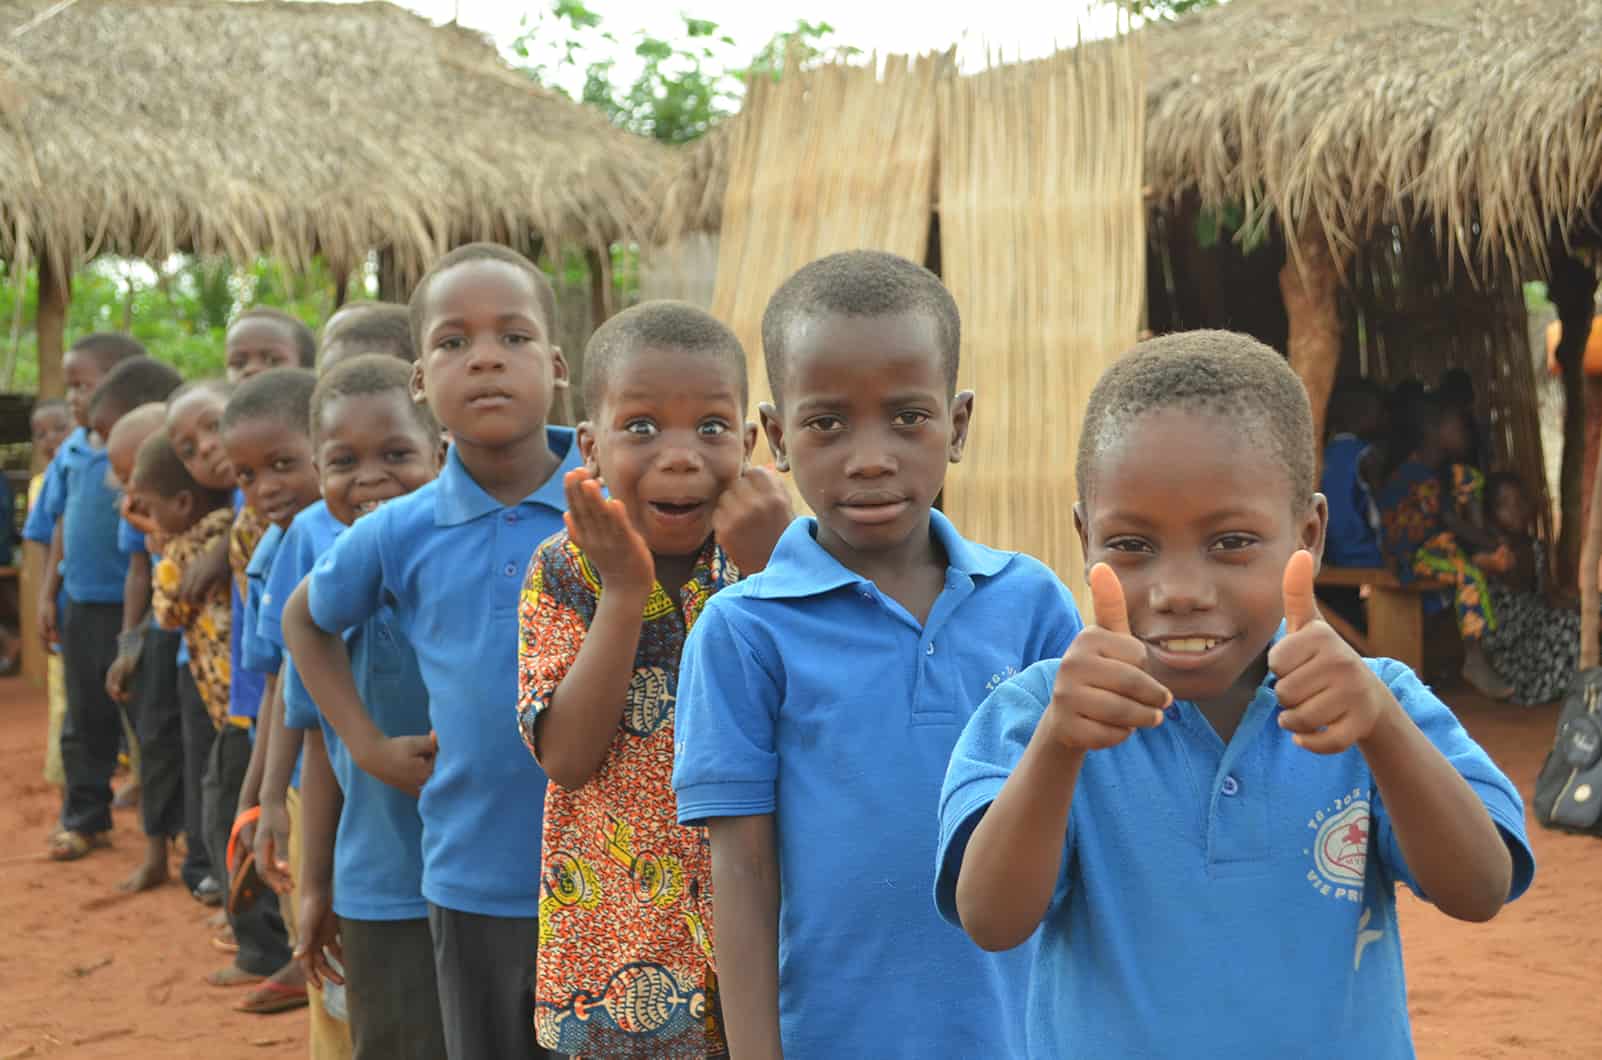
[1205,806]
[625,889]
[50,423]
[265,432]
[367,327]
[819,700]
[362,895]
[76,517]
[449,560]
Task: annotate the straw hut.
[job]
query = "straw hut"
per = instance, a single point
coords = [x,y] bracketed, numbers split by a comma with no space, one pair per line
[145,127]
[1397,168]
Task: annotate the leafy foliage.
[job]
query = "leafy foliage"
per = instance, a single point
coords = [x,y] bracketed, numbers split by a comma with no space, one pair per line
[1155,10]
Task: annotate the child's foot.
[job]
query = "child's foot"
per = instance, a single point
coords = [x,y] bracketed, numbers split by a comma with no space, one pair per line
[1483,678]
[153,873]
[233,975]
[70,846]
[284,991]
[208,892]
[127,796]
[219,922]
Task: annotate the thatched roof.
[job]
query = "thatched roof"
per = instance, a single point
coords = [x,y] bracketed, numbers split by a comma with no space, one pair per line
[148,126]
[1355,112]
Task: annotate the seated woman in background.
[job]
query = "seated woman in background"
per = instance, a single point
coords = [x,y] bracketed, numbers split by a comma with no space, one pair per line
[1536,642]
[1431,512]
[1356,422]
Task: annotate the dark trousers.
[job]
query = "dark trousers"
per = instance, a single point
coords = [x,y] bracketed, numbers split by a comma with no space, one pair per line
[198,735]
[93,726]
[391,991]
[259,929]
[484,966]
[158,723]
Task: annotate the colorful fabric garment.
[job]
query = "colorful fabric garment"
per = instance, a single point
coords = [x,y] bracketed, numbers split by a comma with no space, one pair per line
[206,626]
[625,955]
[1418,544]
[247,532]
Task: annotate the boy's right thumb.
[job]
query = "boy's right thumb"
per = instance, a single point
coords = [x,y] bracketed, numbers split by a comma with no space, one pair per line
[1108,608]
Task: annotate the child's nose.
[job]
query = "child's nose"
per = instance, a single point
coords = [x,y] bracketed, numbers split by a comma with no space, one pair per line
[1180,588]
[870,457]
[485,354]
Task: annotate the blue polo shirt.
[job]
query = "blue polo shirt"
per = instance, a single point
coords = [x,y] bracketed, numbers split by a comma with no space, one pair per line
[449,559]
[1352,539]
[1217,901]
[310,535]
[808,694]
[257,652]
[131,540]
[77,490]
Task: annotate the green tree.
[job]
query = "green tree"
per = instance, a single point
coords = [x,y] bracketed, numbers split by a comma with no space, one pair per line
[1163,10]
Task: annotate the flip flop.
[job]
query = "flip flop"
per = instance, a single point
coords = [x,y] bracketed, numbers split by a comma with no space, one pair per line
[70,846]
[271,997]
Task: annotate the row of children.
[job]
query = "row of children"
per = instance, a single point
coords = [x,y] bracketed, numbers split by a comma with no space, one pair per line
[1408,489]
[770,757]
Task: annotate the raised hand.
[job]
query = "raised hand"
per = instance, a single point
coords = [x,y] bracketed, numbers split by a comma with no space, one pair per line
[601,527]
[750,517]
[1331,699]
[402,762]
[1103,692]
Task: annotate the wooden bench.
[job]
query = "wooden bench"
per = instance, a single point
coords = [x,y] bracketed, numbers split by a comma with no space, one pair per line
[1395,612]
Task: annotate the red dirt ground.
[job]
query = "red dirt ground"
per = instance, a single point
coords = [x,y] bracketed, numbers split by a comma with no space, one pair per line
[87,973]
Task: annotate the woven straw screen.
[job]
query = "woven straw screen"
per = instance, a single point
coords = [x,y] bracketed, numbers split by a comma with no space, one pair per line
[1042,232]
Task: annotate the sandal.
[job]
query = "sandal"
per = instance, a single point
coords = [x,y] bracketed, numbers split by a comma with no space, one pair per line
[271,997]
[70,846]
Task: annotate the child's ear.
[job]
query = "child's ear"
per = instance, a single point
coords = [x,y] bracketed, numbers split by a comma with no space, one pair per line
[1082,528]
[961,416]
[185,503]
[1314,526]
[749,435]
[558,368]
[773,427]
[419,392]
[586,444]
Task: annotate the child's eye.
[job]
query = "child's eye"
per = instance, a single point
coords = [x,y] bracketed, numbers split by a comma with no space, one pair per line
[1127,544]
[400,455]
[713,428]
[518,339]
[825,424]
[910,418]
[1233,543]
[642,428]
[340,462]
[451,342]
[283,464]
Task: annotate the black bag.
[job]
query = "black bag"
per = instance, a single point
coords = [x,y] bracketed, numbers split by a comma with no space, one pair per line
[1568,791]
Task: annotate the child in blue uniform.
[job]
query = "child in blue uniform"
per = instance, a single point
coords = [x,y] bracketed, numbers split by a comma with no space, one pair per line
[818,700]
[1207,803]
[449,560]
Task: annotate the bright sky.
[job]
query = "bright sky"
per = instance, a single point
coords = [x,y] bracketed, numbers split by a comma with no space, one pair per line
[1015,28]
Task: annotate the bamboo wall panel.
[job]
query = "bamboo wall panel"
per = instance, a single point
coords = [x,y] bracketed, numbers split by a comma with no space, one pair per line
[1042,232]
[838,158]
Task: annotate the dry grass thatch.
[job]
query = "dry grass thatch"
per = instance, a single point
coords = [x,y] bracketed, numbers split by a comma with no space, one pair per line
[148,126]
[798,190]
[1041,231]
[1482,118]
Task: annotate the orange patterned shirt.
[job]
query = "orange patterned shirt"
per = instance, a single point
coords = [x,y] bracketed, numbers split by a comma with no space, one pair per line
[625,956]
[206,625]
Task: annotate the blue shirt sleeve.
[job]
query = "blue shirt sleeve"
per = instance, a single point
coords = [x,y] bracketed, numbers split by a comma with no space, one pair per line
[725,762]
[346,587]
[41,524]
[130,540]
[1436,720]
[300,712]
[255,653]
[288,569]
[985,755]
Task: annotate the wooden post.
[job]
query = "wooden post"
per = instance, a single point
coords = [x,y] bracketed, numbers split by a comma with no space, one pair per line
[1310,286]
[1589,577]
[1572,286]
[55,294]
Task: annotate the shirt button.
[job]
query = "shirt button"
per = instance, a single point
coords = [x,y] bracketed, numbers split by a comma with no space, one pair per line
[1231,786]
[511,517]
[511,569]
[930,649]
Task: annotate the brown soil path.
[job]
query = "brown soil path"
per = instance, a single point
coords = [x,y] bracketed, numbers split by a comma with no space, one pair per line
[87,973]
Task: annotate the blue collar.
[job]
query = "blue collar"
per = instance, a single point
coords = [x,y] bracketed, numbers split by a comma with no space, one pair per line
[459,499]
[800,567]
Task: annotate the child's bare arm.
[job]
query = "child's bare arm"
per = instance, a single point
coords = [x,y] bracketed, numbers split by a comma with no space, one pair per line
[574,731]
[321,658]
[206,570]
[135,606]
[1334,701]
[250,787]
[50,589]
[320,805]
[272,837]
[745,900]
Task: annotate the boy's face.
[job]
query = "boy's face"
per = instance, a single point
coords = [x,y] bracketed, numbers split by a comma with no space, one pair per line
[372,449]
[273,464]
[669,437]
[867,428]
[103,419]
[487,366]
[172,515]
[257,344]
[193,424]
[1196,521]
[81,373]
[1509,510]
[50,428]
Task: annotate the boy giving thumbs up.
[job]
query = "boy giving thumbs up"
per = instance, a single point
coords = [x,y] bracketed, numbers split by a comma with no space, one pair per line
[1205,806]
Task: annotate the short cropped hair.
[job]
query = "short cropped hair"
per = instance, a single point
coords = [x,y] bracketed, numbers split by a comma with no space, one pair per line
[1216,372]
[109,348]
[282,395]
[661,325]
[860,283]
[375,327]
[158,468]
[1350,402]
[370,373]
[134,382]
[543,292]
[305,341]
